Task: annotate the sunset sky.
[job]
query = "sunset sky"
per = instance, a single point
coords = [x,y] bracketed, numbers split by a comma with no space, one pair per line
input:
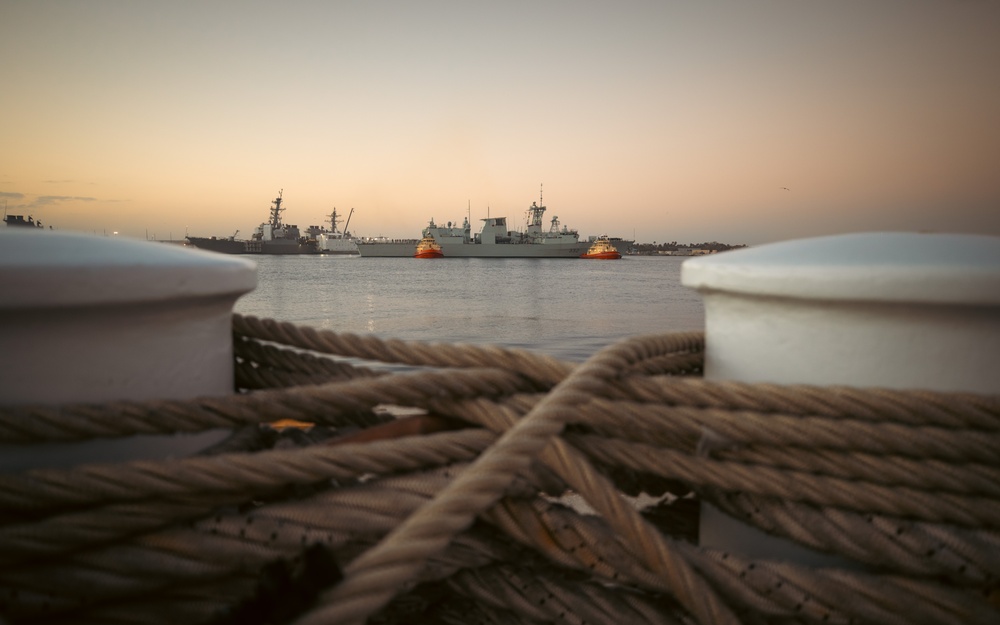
[739,121]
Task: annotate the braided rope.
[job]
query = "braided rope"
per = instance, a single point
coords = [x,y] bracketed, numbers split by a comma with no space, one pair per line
[970,510]
[962,555]
[547,598]
[296,361]
[230,541]
[918,408]
[335,404]
[194,486]
[546,370]
[374,578]
[904,482]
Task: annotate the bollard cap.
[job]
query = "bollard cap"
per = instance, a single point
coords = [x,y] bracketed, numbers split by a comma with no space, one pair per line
[50,269]
[898,267]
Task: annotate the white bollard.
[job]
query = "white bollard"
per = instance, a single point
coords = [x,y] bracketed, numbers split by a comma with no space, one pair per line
[891,310]
[99,319]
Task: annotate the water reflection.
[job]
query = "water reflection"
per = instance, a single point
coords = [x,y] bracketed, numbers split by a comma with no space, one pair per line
[567,308]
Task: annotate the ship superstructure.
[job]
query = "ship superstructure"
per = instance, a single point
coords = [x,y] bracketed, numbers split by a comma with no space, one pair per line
[271,237]
[494,240]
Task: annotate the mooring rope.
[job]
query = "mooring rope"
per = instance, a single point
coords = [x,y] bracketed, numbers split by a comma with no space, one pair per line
[503,497]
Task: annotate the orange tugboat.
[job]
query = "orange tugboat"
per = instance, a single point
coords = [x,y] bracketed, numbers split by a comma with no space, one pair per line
[602,249]
[428,248]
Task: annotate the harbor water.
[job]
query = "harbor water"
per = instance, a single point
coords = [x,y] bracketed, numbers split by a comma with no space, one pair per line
[566,308]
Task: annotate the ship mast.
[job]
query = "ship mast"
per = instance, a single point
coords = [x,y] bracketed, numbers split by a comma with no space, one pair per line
[276,211]
[535,212]
[333,220]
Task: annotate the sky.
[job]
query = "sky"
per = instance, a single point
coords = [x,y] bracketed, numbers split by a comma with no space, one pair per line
[737,121]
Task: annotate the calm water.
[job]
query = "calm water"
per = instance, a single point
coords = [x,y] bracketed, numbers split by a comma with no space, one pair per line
[565,308]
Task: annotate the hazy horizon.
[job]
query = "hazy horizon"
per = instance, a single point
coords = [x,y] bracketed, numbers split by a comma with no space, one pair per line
[742,122]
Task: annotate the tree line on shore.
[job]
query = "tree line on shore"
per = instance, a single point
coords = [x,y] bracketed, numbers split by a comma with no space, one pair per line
[673,246]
